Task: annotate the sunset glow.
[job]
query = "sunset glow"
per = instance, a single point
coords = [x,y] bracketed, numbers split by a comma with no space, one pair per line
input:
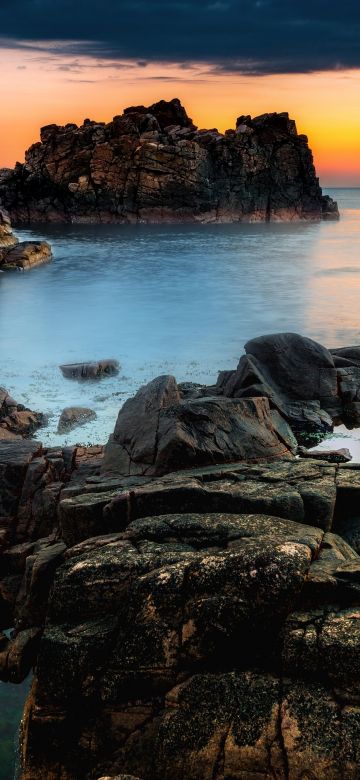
[40,88]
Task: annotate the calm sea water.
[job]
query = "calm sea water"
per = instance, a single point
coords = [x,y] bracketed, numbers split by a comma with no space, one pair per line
[169,299]
[174,299]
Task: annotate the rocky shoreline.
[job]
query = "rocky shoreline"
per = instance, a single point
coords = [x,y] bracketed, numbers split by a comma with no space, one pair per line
[152,164]
[20,256]
[189,595]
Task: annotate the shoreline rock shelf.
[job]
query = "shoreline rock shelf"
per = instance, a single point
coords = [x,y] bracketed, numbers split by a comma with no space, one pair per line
[191,605]
[20,256]
[152,164]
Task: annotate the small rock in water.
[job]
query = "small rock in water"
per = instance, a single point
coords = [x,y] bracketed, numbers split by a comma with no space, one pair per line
[27,254]
[73,416]
[91,370]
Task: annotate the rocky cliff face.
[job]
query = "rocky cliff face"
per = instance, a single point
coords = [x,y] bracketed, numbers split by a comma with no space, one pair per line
[151,164]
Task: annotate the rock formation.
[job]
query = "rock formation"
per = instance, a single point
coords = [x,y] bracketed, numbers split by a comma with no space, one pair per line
[151,164]
[20,256]
[16,421]
[198,621]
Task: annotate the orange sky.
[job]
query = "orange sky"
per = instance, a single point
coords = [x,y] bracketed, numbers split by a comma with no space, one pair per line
[37,88]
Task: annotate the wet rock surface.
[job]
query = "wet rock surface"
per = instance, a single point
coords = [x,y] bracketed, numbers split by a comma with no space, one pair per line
[152,164]
[201,622]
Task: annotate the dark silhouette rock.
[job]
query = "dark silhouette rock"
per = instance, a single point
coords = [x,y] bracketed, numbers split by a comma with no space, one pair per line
[90,370]
[151,164]
[73,416]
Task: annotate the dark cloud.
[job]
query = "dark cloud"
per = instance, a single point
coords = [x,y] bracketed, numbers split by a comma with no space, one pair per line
[247,36]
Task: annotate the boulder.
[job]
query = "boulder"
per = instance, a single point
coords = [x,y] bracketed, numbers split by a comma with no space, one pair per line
[90,370]
[73,416]
[156,432]
[295,373]
[26,254]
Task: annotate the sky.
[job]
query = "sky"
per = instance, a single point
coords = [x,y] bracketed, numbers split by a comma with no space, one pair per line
[64,61]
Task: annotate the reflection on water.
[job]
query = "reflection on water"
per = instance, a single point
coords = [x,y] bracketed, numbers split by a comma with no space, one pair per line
[170,299]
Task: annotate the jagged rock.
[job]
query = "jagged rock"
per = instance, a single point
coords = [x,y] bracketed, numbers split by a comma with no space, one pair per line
[298,376]
[25,255]
[152,165]
[15,420]
[91,370]
[329,208]
[156,432]
[73,416]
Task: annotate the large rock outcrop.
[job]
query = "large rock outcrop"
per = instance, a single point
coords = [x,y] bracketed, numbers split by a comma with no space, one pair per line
[151,164]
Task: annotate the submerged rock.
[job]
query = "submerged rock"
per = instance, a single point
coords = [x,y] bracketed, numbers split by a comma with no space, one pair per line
[151,164]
